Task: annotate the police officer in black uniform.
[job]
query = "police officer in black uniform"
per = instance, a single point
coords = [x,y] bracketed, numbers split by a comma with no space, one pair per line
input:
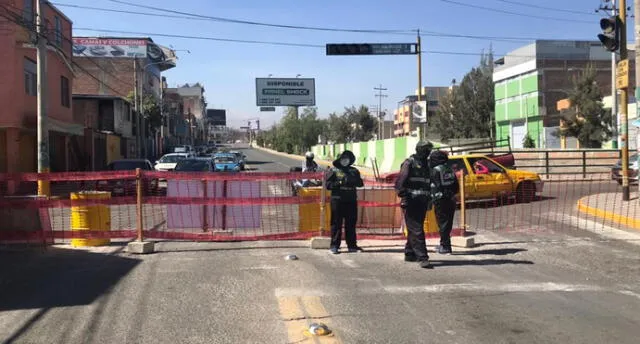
[444,187]
[413,187]
[343,181]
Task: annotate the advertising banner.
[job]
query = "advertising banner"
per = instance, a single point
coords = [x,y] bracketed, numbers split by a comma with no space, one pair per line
[285,92]
[217,117]
[120,47]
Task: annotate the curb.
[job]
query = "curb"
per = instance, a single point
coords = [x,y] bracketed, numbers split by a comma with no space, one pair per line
[608,215]
[326,163]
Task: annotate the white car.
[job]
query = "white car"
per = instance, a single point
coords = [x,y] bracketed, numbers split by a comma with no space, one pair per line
[168,162]
[184,149]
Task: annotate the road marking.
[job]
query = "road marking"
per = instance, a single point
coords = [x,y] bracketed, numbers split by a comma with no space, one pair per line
[629,293]
[260,268]
[534,287]
[596,227]
[350,263]
[298,312]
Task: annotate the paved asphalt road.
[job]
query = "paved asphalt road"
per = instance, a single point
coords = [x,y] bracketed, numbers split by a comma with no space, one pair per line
[575,284]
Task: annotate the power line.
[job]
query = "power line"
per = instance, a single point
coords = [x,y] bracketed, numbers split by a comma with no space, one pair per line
[248,22]
[422,32]
[547,8]
[492,9]
[306,45]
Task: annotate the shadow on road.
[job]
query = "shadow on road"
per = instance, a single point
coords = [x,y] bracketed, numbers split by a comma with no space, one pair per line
[248,162]
[495,252]
[58,277]
[480,262]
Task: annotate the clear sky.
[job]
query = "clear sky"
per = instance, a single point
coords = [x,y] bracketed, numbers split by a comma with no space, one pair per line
[228,70]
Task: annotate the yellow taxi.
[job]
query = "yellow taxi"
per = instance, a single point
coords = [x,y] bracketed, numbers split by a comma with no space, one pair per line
[485,179]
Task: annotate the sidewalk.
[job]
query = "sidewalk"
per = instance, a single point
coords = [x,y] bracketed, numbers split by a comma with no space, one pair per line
[609,206]
[365,171]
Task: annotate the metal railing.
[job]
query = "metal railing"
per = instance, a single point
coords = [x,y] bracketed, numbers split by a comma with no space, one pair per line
[564,161]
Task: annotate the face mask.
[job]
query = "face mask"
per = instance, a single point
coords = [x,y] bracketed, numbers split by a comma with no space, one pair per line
[344,162]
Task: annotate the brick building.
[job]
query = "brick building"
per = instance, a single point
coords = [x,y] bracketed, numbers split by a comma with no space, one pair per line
[18,89]
[194,109]
[530,80]
[109,67]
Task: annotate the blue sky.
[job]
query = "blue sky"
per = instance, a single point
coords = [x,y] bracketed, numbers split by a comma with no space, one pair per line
[228,70]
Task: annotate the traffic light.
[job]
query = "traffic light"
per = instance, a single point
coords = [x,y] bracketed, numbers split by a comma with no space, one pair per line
[610,36]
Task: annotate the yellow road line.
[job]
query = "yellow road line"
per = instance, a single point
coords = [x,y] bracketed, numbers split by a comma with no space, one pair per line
[300,312]
[609,215]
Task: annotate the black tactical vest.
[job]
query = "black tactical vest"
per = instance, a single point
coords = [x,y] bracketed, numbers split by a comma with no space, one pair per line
[419,178]
[444,186]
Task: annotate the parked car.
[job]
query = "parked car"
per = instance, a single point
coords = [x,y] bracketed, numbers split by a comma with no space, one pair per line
[184,149]
[485,178]
[168,161]
[195,165]
[128,186]
[241,158]
[226,162]
[616,170]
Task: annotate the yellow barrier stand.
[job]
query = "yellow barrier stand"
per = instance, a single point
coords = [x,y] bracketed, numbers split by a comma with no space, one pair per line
[309,213]
[95,218]
[430,224]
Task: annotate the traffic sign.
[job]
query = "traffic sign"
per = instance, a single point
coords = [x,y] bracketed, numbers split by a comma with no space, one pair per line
[372,49]
[622,74]
[267,108]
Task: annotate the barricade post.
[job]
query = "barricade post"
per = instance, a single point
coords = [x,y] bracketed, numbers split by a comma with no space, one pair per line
[323,204]
[140,223]
[205,208]
[463,207]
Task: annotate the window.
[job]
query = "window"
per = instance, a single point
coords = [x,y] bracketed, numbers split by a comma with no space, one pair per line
[64,92]
[479,164]
[30,78]
[58,31]
[456,165]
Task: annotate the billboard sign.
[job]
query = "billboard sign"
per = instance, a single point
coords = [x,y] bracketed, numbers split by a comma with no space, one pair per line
[120,47]
[217,117]
[285,92]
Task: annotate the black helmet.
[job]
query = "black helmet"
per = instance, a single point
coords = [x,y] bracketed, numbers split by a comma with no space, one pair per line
[438,158]
[423,148]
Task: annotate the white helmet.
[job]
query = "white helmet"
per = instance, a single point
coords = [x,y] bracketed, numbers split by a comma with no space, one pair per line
[309,155]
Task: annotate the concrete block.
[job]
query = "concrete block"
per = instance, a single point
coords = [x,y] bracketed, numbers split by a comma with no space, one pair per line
[319,243]
[467,241]
[140,247]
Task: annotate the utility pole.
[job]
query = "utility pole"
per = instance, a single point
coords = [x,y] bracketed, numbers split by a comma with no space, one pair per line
[419,53]
[43,129]
[380,119]
[624,101]
[614,91]
[135,107]
[636,13]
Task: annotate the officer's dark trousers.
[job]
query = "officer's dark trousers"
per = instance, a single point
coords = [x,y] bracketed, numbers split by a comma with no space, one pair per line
[347,213]
[414,214]
[445,211]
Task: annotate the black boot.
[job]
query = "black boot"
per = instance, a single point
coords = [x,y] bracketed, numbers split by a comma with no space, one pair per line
[444,249]
[410,258]
[425,264]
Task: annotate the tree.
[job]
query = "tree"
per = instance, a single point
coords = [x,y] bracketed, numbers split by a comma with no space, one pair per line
[587,120]
[363,125]
[338,128]
[150,109]
[528,142]
[467,111]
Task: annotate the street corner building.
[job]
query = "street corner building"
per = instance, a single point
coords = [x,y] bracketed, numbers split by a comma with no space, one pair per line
[531,80]
[18,89]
